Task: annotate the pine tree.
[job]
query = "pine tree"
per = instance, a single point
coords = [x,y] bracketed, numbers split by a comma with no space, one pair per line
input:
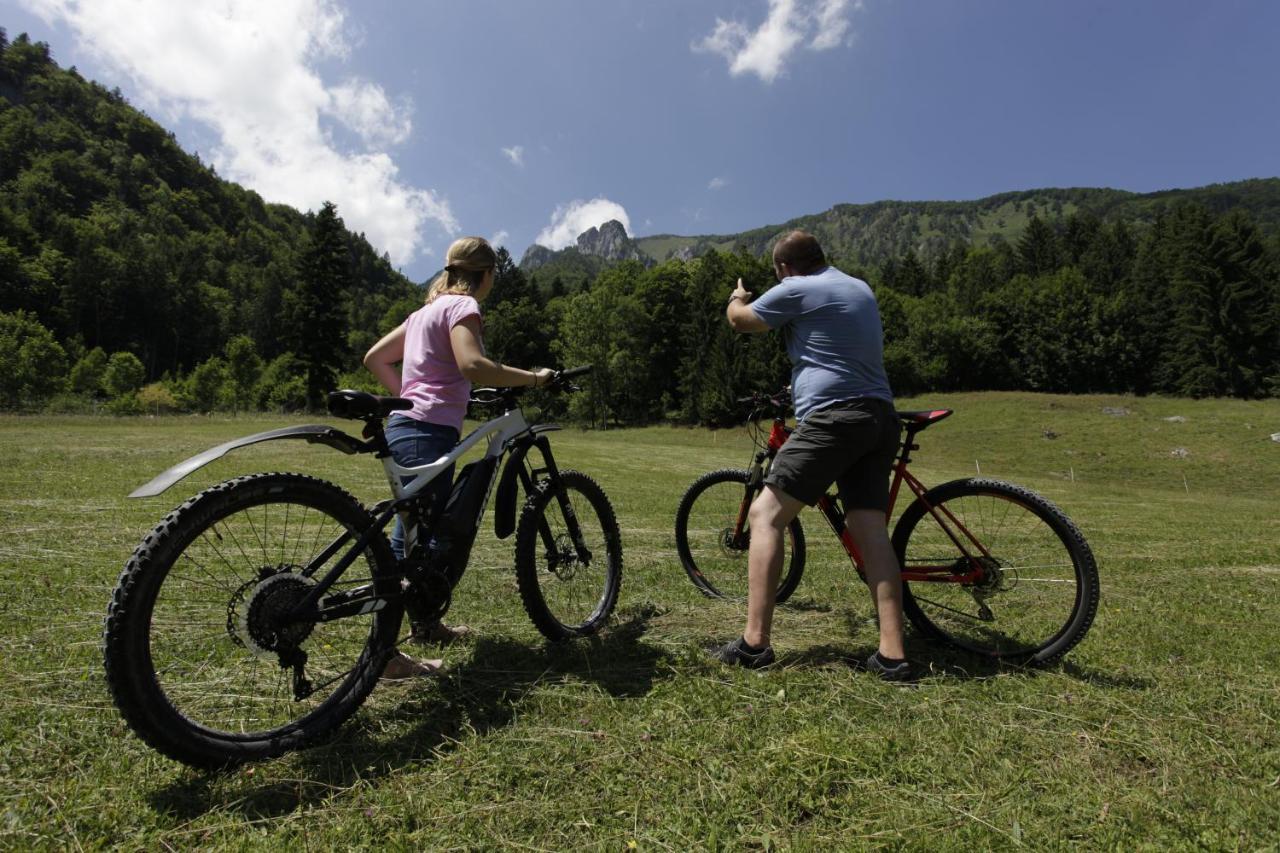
[315,307]
[509,283]
[1250,344]
[1039,251]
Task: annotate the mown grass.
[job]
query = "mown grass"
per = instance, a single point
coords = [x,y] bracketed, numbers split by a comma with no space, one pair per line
[1159,730]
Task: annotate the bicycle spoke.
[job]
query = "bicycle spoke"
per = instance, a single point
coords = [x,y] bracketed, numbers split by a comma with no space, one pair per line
[1020,591]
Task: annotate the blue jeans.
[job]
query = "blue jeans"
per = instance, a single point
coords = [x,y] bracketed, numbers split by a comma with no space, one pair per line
[414,442]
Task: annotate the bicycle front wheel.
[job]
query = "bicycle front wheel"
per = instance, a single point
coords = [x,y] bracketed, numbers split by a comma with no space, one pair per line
[1036,587]
[713,555]
[568,557]
[201,657]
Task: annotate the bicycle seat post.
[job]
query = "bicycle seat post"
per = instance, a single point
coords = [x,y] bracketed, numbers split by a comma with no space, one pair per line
[374,430]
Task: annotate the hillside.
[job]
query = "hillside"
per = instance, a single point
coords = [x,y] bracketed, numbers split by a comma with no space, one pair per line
[112,236]
[868,235]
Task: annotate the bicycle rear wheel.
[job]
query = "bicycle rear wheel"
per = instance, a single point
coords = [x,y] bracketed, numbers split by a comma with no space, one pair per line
[1037,590]
[199,657]
[568,587]
[715,559]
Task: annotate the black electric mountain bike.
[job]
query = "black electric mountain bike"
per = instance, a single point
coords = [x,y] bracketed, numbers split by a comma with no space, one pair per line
[258,615]
[987,566]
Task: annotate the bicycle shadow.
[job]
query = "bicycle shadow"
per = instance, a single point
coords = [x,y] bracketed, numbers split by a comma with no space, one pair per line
[936,662]
[479,695]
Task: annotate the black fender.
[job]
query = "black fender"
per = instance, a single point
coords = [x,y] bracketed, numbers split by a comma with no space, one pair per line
[311,433]
[504,505]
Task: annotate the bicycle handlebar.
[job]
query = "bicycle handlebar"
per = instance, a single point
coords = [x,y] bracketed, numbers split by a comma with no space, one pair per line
[558,382]
[780,400]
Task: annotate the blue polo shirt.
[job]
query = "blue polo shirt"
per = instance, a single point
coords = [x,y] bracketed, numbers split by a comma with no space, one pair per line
[833,336]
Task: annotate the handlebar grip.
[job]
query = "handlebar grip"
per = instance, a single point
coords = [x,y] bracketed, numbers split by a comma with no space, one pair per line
[571,372]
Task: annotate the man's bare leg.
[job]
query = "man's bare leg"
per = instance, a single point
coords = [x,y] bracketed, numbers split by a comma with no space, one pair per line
[867,526]
[770,513]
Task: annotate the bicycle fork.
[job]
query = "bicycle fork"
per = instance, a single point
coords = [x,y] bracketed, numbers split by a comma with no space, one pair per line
[530,479]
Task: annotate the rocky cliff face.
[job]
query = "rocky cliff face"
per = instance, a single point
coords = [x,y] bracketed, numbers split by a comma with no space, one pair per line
[609,242]
[535,256]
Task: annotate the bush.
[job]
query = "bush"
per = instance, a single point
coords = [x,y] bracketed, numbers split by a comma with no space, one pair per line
[244,369]
[33,366]
[68,403]
[124,374]
[125,404]
[87,375]
[157,399]
[360,380]
[283,386]
[203,390]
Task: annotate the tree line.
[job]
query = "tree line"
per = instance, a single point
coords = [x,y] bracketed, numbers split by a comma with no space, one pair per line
[133,278]
[1189,306]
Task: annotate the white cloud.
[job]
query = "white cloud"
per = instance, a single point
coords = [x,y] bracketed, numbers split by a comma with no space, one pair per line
[831,22]
[718,183]
[570,220]
[766,50]
[249,71]
[364,107]
[499,238]
[515,154]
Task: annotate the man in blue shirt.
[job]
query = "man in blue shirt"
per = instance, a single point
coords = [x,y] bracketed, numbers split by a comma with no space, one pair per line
[847,433]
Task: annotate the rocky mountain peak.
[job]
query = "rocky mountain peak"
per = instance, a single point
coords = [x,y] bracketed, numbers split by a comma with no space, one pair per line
[535,256]
[609,241]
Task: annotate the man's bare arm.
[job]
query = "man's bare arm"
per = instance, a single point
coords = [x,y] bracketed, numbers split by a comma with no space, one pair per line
[741,317]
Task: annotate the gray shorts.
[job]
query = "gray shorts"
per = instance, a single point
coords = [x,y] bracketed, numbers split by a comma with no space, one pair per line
[852,444]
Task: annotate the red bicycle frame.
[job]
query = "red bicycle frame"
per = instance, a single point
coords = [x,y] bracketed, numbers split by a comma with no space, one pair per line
[829,505]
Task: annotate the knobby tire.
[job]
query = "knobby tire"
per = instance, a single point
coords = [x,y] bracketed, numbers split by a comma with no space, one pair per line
[179,646]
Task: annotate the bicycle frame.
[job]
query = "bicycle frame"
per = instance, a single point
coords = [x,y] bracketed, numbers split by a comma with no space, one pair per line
[500,431]
[829,506]
[510,431]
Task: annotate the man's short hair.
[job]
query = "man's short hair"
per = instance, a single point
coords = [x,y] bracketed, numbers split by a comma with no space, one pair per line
[800,251]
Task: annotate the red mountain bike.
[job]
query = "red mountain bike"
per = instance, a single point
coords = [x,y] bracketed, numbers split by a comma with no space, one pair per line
[987,566]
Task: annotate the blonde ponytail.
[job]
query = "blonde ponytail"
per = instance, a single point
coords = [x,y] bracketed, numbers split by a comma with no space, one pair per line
[466,262]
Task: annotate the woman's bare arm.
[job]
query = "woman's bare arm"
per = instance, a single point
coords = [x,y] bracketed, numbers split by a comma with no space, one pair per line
[468,352]
[384,356]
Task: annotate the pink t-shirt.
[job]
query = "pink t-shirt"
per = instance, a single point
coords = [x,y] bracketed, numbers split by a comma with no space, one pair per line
[429,375]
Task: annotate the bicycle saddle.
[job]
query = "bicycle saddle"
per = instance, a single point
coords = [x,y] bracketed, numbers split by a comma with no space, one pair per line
[920,419]
[363,406]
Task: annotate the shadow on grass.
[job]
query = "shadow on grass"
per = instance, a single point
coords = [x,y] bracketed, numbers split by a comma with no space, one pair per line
[936,661]
[806,605]
[477,696]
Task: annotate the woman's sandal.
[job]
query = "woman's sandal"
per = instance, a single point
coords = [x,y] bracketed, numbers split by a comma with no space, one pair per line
[438,633]
[401,667]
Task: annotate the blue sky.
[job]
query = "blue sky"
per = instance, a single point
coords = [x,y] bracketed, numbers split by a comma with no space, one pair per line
[534,119]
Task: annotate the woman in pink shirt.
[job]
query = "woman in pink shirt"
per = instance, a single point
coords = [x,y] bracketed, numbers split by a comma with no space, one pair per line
[440,352]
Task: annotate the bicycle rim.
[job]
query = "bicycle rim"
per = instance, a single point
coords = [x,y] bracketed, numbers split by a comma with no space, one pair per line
[569,588]
[1038,589]
[714,558]
[203,622]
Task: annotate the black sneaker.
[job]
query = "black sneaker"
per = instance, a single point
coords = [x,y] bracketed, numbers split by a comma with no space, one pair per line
[740,654]
[888,668]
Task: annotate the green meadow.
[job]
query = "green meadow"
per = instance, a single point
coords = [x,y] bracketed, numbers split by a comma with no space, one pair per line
[1161,729]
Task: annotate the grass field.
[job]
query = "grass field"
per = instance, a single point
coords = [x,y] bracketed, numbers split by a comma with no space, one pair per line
[1160,730]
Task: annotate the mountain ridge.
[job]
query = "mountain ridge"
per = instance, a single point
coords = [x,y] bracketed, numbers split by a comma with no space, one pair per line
[872,233]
